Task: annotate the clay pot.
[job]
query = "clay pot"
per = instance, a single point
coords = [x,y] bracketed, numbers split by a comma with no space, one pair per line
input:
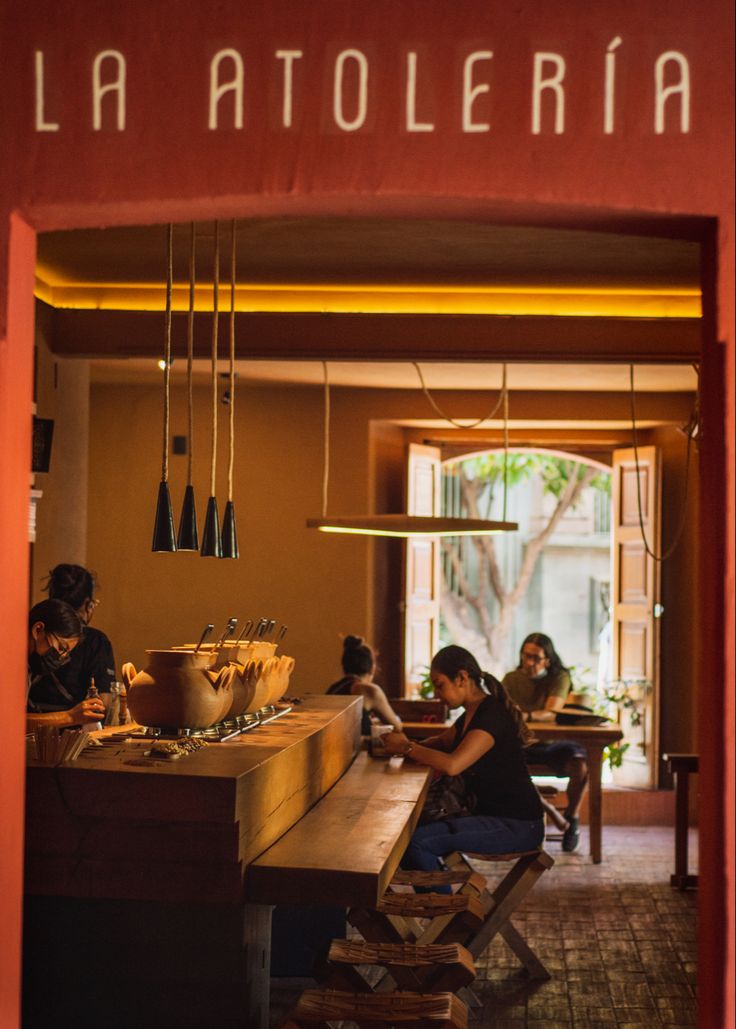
[276,671]
[252,673]
[178,689]
[230,651]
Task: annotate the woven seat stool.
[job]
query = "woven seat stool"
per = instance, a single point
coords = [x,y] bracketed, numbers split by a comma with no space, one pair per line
[417,967]
[497,904]
[378,1010]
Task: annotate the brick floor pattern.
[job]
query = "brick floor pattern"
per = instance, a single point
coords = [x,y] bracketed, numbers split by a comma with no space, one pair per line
[619,941]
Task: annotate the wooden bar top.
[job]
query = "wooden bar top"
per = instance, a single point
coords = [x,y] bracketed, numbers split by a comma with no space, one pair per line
[345,850]
[115,824]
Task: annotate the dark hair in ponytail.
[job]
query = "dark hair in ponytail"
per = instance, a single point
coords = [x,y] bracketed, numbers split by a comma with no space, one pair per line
[452,660]
[72,584]
[358,658]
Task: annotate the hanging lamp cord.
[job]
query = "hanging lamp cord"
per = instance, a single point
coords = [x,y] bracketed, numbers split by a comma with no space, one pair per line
[215,314]
[686,487]
[326,465]
[231,458]
[452,421]
[167,348]
[505,396]
[190,350]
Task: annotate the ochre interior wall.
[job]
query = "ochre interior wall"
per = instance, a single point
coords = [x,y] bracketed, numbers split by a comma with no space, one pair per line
[320,586]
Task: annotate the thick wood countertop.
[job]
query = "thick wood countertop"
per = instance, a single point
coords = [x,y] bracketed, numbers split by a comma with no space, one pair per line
[345,850]
[115,824]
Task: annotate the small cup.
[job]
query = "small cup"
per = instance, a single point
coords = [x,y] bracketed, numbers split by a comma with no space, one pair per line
[377,734]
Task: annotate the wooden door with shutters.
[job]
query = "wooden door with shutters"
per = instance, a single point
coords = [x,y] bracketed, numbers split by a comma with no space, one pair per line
[421,566]
[636,610]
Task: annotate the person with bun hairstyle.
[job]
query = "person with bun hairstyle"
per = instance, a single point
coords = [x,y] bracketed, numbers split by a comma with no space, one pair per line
[54,633]
[540,686]
[58,689]
[486,746]
[359,666]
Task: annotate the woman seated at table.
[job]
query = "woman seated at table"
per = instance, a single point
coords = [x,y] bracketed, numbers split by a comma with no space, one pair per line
[540,685]
[91,659]
[54,630]
[485,746]
[359,666]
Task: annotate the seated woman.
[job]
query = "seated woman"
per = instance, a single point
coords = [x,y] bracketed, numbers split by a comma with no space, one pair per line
[359,665]
[93,657]
[54,631]
[540,686]
[485,745]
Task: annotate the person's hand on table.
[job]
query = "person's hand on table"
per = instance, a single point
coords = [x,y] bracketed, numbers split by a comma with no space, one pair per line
[396,743]
[91,709]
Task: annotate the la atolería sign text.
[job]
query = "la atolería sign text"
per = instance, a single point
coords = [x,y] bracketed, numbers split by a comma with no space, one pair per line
[361,86]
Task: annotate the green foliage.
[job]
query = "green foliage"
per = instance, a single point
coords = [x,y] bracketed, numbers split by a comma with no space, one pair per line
[555,472]
[426,689]
[614,754]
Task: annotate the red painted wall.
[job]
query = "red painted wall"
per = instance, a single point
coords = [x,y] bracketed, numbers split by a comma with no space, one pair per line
[167,164]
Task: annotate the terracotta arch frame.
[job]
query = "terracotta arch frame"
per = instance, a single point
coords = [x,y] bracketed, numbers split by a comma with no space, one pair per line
[16,362]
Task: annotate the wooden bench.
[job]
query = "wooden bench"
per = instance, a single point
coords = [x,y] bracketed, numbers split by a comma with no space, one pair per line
[682,766]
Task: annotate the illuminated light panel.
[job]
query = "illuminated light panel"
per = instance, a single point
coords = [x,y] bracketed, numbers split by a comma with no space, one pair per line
[622,302]
[409,526]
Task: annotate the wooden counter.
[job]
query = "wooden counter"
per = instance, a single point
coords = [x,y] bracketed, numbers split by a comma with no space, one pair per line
[143,904]
[117,825]
[345,850]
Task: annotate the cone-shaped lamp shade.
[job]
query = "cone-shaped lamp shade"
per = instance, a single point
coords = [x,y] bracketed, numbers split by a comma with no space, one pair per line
[211,542]
[188,537]
[164,538]
[229,532]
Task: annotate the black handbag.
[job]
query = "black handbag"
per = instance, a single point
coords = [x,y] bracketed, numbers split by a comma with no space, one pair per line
[447,797]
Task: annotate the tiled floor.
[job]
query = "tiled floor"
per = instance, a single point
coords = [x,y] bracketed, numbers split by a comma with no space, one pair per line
[619,942]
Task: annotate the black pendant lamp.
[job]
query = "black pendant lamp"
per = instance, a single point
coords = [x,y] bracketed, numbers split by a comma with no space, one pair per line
[164,539]
[211,540]
[229,530]
[188,536]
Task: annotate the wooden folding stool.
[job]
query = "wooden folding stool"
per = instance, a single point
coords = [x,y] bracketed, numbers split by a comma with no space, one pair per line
[451,920]
[316,1008]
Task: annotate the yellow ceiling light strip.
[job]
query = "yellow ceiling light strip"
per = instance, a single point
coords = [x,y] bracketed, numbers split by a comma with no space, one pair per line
[623,302]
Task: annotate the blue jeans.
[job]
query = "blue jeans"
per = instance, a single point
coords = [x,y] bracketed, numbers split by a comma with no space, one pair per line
[476,834]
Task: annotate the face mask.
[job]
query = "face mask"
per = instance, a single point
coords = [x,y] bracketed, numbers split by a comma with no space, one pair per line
[540,675]
[53,658]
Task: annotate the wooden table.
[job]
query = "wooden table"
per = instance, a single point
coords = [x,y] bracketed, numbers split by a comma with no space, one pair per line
[147,865]
[593,738]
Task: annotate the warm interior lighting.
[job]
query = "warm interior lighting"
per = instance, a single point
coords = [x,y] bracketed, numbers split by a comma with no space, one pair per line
[401,526]
[406,526]
[387,298]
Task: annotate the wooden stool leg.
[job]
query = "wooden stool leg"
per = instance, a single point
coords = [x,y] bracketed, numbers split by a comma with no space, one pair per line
[534,967]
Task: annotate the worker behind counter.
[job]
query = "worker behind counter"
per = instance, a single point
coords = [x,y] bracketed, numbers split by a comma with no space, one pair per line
[92,658]
[54,633]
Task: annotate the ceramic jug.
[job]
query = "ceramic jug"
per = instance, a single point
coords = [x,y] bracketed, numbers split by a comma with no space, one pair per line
[179,689]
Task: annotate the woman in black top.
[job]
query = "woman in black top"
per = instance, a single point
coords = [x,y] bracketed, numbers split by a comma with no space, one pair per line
[62,688]
[359,665]
[485,746]
[54,632]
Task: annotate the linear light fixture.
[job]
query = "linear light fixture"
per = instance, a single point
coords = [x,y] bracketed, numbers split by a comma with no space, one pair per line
[406,526]
[409,526]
